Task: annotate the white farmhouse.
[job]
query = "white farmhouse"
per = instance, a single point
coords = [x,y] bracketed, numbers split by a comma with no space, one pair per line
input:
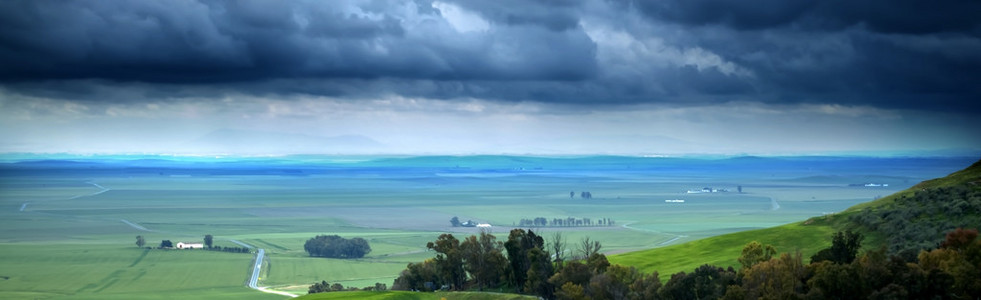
[182,245]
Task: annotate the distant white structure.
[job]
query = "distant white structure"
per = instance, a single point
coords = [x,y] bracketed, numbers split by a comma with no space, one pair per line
[674,201]
[707,190]
[182,245]
[876,184]
[483,225]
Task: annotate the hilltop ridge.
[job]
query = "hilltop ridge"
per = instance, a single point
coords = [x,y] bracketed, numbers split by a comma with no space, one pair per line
[811,235]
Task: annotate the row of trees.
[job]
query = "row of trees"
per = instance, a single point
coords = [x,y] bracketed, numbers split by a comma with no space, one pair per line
[524,262]
[337,247]
[208,242]
[839,272]
[324,287]
[584,195]
[567,222]
[230,249]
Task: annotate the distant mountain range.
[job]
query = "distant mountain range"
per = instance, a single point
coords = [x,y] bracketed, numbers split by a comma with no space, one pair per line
[234,141]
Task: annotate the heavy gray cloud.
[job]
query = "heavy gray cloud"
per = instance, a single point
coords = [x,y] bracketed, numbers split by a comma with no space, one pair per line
[890,54]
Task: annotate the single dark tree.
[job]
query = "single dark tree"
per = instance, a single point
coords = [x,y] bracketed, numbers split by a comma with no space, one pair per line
[572,194]
[740,189]
[844,248]
[140,241]
[209,240]
[588,247]
[166,244]
[455,221]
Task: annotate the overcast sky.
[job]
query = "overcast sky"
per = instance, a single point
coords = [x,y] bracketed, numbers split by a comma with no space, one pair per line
[490,77]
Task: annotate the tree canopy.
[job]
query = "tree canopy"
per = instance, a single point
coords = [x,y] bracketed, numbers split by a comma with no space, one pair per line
[335,246]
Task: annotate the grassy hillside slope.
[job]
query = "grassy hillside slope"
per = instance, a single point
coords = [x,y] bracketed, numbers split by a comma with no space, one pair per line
[808,236]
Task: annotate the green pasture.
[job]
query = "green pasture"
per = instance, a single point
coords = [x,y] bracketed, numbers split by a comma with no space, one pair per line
[724,250]
[70,242]
[400,295]
[93,270]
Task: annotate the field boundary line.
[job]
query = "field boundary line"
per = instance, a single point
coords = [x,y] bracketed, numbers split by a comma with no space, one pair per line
[241,243]
[134,225]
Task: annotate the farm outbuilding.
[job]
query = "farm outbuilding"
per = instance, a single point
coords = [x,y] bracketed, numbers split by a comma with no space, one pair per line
[183,245]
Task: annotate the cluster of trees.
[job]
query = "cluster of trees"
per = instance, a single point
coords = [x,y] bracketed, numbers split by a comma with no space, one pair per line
[523,263]
[229,249]
[567,222]
[208,244]
[916,222]
[324,287]
[839,272]
[584,195]
[337,247]
[456,222]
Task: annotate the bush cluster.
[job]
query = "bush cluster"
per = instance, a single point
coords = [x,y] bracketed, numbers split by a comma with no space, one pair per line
[337,247]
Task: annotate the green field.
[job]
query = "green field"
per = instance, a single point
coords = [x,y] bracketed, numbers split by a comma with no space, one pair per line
[63,235]
[396,295]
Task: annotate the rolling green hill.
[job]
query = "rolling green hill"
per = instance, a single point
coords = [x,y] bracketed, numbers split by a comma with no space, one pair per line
[812,235]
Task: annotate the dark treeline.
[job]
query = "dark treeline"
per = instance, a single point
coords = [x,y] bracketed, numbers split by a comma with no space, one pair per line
[324,287]
[839,272]
[229,249]
[567,222]
[917,222]
[335,246]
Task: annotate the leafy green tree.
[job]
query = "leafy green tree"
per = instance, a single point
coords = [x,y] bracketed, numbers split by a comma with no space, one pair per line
[615,283]
[781,278]
[571,291]
[645,287]
[166,244]
[455,221]
[835,281]
[754,253]
[517,246]
[419,277]
[449,260]
[484,259]
[140,241]
[539,271]
[574,272]
[209,240]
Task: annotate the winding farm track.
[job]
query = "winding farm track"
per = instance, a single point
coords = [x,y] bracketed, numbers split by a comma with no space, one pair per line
[254,281]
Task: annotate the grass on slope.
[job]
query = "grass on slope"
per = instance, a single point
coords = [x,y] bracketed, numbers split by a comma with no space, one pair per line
[969,174]
[807,236]
[404,295]
[725,249]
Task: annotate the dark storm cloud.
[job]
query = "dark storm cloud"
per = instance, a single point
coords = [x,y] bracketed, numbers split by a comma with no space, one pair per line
[904,54]
[887,16]
[218,41]
[891,54]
